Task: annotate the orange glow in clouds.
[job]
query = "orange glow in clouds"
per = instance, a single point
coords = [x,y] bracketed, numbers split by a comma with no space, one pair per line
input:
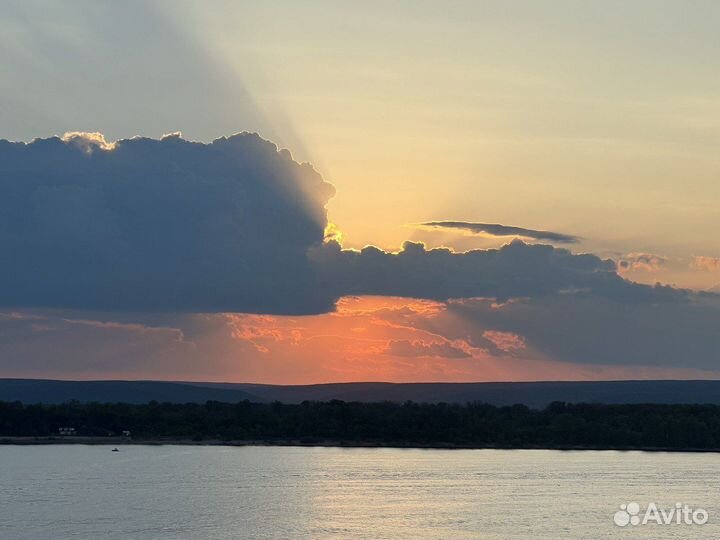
[397,340]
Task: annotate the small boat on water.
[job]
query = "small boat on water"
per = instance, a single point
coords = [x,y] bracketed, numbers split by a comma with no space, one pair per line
[115,450]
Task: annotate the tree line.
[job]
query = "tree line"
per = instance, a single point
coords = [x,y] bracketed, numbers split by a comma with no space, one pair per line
[559,425]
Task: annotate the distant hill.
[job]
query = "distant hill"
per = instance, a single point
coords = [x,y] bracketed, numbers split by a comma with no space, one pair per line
[533,394]
[51,391]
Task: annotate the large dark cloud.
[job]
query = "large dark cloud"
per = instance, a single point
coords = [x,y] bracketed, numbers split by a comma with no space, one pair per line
[159,225]
[495,229]
[234,225]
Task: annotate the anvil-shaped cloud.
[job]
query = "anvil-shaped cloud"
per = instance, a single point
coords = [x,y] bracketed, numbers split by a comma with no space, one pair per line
[234,225]
[168,224]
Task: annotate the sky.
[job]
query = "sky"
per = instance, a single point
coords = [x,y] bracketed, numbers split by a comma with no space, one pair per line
[445,191]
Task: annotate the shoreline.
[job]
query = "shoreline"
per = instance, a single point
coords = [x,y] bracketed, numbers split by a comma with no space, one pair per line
[121,441]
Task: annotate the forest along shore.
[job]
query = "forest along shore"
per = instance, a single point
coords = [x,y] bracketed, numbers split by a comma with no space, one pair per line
[338,423]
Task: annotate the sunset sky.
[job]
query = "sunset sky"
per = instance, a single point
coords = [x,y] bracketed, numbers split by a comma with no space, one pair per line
[564,157]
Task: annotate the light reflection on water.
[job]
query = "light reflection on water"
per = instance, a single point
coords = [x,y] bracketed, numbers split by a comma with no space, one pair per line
[213,493]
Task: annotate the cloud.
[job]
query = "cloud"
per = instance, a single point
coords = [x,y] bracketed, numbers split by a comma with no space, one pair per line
[515,270]
[58,344]
[563,337]
[647,262]
[708,264]
[505,342]
[409,348]
[584,328]
[143,224]
[495,229]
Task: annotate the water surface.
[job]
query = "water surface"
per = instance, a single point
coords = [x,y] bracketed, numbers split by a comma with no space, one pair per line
[211,493]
